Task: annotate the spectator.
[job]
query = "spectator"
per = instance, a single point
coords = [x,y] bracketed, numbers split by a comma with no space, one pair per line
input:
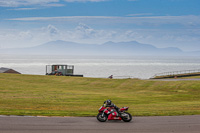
[110,77]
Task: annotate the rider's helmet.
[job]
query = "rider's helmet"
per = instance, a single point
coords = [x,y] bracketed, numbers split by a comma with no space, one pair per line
[108,102]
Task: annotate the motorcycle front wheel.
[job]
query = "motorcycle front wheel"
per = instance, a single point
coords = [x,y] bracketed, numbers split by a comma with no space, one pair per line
[102,118]
[127,117]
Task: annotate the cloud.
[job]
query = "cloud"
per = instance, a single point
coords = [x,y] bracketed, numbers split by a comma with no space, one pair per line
[81,33]
[26,38]
[140,14]
[14,38]
[85,0]
[189,20]
[25,35]
[62,18]
[18,3]
[23,9]
[84,31]
[51,30]
[47,3]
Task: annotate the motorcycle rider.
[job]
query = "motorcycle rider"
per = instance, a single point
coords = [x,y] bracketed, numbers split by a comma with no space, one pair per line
[113,112]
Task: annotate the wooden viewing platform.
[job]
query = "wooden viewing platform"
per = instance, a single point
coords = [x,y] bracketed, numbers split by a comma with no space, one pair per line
[176,74]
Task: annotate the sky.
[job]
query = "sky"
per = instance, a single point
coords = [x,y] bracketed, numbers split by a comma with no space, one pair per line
[162,23]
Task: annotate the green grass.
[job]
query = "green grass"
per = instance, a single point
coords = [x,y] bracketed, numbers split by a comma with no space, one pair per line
[75,96]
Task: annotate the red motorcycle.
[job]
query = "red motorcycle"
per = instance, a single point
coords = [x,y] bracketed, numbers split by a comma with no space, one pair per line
[104,114]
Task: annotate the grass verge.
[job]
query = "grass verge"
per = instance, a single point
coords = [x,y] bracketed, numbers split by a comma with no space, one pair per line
[73,96]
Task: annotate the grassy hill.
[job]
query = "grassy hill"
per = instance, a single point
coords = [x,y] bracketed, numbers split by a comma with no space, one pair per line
[75,96]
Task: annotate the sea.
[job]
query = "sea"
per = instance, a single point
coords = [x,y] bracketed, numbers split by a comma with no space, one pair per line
[142,67]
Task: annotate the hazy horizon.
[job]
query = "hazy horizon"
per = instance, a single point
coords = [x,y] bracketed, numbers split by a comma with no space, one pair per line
[143,67]
[132,48]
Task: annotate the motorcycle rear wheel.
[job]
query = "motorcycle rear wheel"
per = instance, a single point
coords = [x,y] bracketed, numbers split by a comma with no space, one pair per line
[100,118]
[128,118]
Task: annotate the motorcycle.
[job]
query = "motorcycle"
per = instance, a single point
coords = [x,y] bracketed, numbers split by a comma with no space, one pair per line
[104,113]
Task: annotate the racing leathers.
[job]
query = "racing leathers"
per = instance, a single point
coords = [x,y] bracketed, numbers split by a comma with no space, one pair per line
[113,110]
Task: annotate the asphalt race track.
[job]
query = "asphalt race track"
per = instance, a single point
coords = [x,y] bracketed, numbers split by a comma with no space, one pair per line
[160,124]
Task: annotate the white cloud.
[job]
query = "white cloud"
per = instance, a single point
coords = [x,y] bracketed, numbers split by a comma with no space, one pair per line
[63,18]
[23,9]
[53,5]
[189,20]
[49,3]
[84,31]
[18,3]
[25,35]
[15,38]
[85,0]
[185,39]
[28,38]
[140,14]
[51,30]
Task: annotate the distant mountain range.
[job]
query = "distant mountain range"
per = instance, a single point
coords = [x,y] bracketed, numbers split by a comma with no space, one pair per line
[109,48]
